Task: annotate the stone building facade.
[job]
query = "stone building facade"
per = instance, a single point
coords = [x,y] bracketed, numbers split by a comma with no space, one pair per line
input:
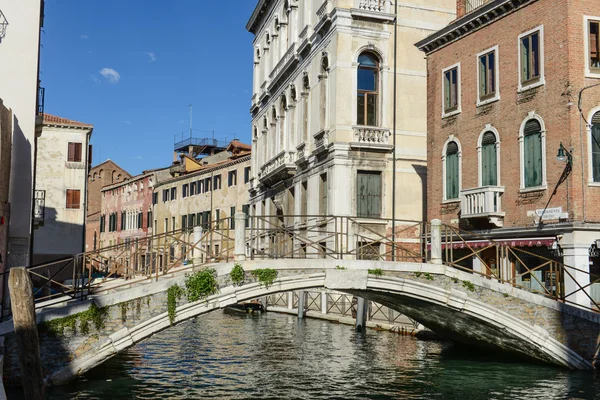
[323,108]
[210,193]
[19,84]
[103,174]
[126,215]
[514,127]
[61,176]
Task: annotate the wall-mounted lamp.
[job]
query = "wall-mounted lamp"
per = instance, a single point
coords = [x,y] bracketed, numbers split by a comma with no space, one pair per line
[564,155]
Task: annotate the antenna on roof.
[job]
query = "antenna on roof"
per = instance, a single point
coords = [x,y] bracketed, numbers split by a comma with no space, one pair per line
[191,112]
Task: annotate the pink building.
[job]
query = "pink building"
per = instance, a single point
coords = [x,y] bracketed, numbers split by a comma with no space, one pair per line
[126,216]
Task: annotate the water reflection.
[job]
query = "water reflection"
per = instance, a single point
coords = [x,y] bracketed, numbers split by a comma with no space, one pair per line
[276,356]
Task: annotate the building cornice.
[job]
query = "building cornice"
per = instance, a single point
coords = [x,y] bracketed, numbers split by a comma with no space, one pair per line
[471,22]
[207,170]
[127,182]
[259,12]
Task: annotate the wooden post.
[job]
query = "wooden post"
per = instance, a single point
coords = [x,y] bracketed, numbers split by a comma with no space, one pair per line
[26,334]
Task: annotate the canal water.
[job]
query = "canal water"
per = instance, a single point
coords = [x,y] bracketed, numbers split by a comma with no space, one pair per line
[273,356]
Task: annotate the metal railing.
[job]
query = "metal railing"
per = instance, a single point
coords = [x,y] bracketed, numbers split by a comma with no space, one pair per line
[200,142]
[40,101]
[310,237]
[471,5]
[39,205]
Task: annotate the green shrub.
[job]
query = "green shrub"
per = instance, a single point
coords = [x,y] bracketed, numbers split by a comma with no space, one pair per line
[237,275]
[377,272]
[201,284]
[265,276]
[340,267]
[468,285]
[173,294]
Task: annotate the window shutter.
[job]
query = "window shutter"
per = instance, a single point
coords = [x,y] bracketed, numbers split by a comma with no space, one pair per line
[482,75]
[69,198]
[533,154]
[78,152]
[452,176]
[596,147]
[374,199]
[524,59]
[71,152]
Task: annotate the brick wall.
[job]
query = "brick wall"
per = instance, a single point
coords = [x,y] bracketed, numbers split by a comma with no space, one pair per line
[555,102]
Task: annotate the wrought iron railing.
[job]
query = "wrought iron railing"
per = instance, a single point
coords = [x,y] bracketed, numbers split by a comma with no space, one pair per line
[39,205]
[471,5]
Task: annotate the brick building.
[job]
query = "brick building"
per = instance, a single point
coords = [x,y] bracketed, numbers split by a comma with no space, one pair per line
[104,174]
[510,87]
[202,190]
[126,214]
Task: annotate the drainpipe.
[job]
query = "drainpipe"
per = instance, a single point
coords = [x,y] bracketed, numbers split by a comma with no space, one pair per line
[394,134]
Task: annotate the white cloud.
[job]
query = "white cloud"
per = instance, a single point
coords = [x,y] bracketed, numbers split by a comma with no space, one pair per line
[110,75]
[151,55]
[84,37]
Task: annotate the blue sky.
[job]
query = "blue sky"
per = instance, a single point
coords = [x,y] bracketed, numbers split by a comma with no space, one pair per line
[131,67]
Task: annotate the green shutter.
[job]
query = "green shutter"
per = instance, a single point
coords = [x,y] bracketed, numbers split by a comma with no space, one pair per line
[361,192]
[489,166]
[596,148]
[533,154]
[452,176]
[482,75]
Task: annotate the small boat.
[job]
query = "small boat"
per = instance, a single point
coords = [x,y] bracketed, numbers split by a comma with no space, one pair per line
[248,307]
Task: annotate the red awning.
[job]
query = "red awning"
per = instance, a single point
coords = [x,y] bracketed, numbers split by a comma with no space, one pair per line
[523,242]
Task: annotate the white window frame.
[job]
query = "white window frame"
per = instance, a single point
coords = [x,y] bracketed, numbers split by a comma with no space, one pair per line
[531,115]
[451,138]
[488,128]
[458,92]
[542,80]
[589,144]
[496,76]
[586,47]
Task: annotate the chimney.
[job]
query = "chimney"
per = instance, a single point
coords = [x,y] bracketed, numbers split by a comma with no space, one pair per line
[461,8]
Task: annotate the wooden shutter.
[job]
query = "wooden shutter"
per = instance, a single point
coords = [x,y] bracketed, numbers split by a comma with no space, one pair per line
[69,198]
[71,152]
[452,171]
[362,185]
[596,147]
[489,169]
[533,154]
[594,43]
[77,152]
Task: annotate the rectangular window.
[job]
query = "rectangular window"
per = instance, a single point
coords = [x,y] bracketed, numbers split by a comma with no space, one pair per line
[123,220]
[232,219]
[246,174]
[218,218]
[207,185]
[173,222]
[232,178]
[451,90]
[183,221]
[323,194]
[140,220]
[191,220]
[154,198]
[173,193]
[200,186]
[184,190]
[102,224]
[304,201]
[487,75]
[530,58]
[217,182]
[368,194]
[166,225]
[149,216]
[593,45]
[74,152]
[165,195]
[73,198]
[192,188]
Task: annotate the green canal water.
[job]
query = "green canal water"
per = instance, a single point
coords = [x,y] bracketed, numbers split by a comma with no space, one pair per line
[230,356]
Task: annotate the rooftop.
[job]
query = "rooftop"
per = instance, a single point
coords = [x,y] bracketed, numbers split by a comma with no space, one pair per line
[54,120]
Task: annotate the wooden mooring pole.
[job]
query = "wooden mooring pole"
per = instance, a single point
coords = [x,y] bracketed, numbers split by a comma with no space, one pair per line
[26,334]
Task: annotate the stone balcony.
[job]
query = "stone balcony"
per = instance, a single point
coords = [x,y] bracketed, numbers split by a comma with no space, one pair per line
[279,168]
[483,202]
[371,138]
[373,9]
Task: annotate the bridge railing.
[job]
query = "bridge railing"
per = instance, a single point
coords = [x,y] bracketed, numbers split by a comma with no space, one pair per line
[521,267]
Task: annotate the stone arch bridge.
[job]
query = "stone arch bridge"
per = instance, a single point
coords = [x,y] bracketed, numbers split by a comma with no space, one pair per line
[475,309]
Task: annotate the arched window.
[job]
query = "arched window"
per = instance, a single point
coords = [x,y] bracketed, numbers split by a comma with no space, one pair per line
[489,160]
[595,147]
[452,171]
[366,101]
[532,154]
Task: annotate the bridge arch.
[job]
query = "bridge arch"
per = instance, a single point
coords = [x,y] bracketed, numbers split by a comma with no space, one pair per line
[476,313]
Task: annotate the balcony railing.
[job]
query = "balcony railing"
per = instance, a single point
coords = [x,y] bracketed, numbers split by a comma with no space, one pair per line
[481,202]
[287,57]
[374,5]
[40,104]
[39,205]
[371,135]
[470,5]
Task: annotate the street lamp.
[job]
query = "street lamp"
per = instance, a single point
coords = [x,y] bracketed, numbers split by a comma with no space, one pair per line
[564,155]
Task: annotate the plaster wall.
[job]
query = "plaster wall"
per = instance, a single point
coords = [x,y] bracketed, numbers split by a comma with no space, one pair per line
[62,232]
[18,86]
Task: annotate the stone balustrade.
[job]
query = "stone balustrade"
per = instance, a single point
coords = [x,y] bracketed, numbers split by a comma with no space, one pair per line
[371,135]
